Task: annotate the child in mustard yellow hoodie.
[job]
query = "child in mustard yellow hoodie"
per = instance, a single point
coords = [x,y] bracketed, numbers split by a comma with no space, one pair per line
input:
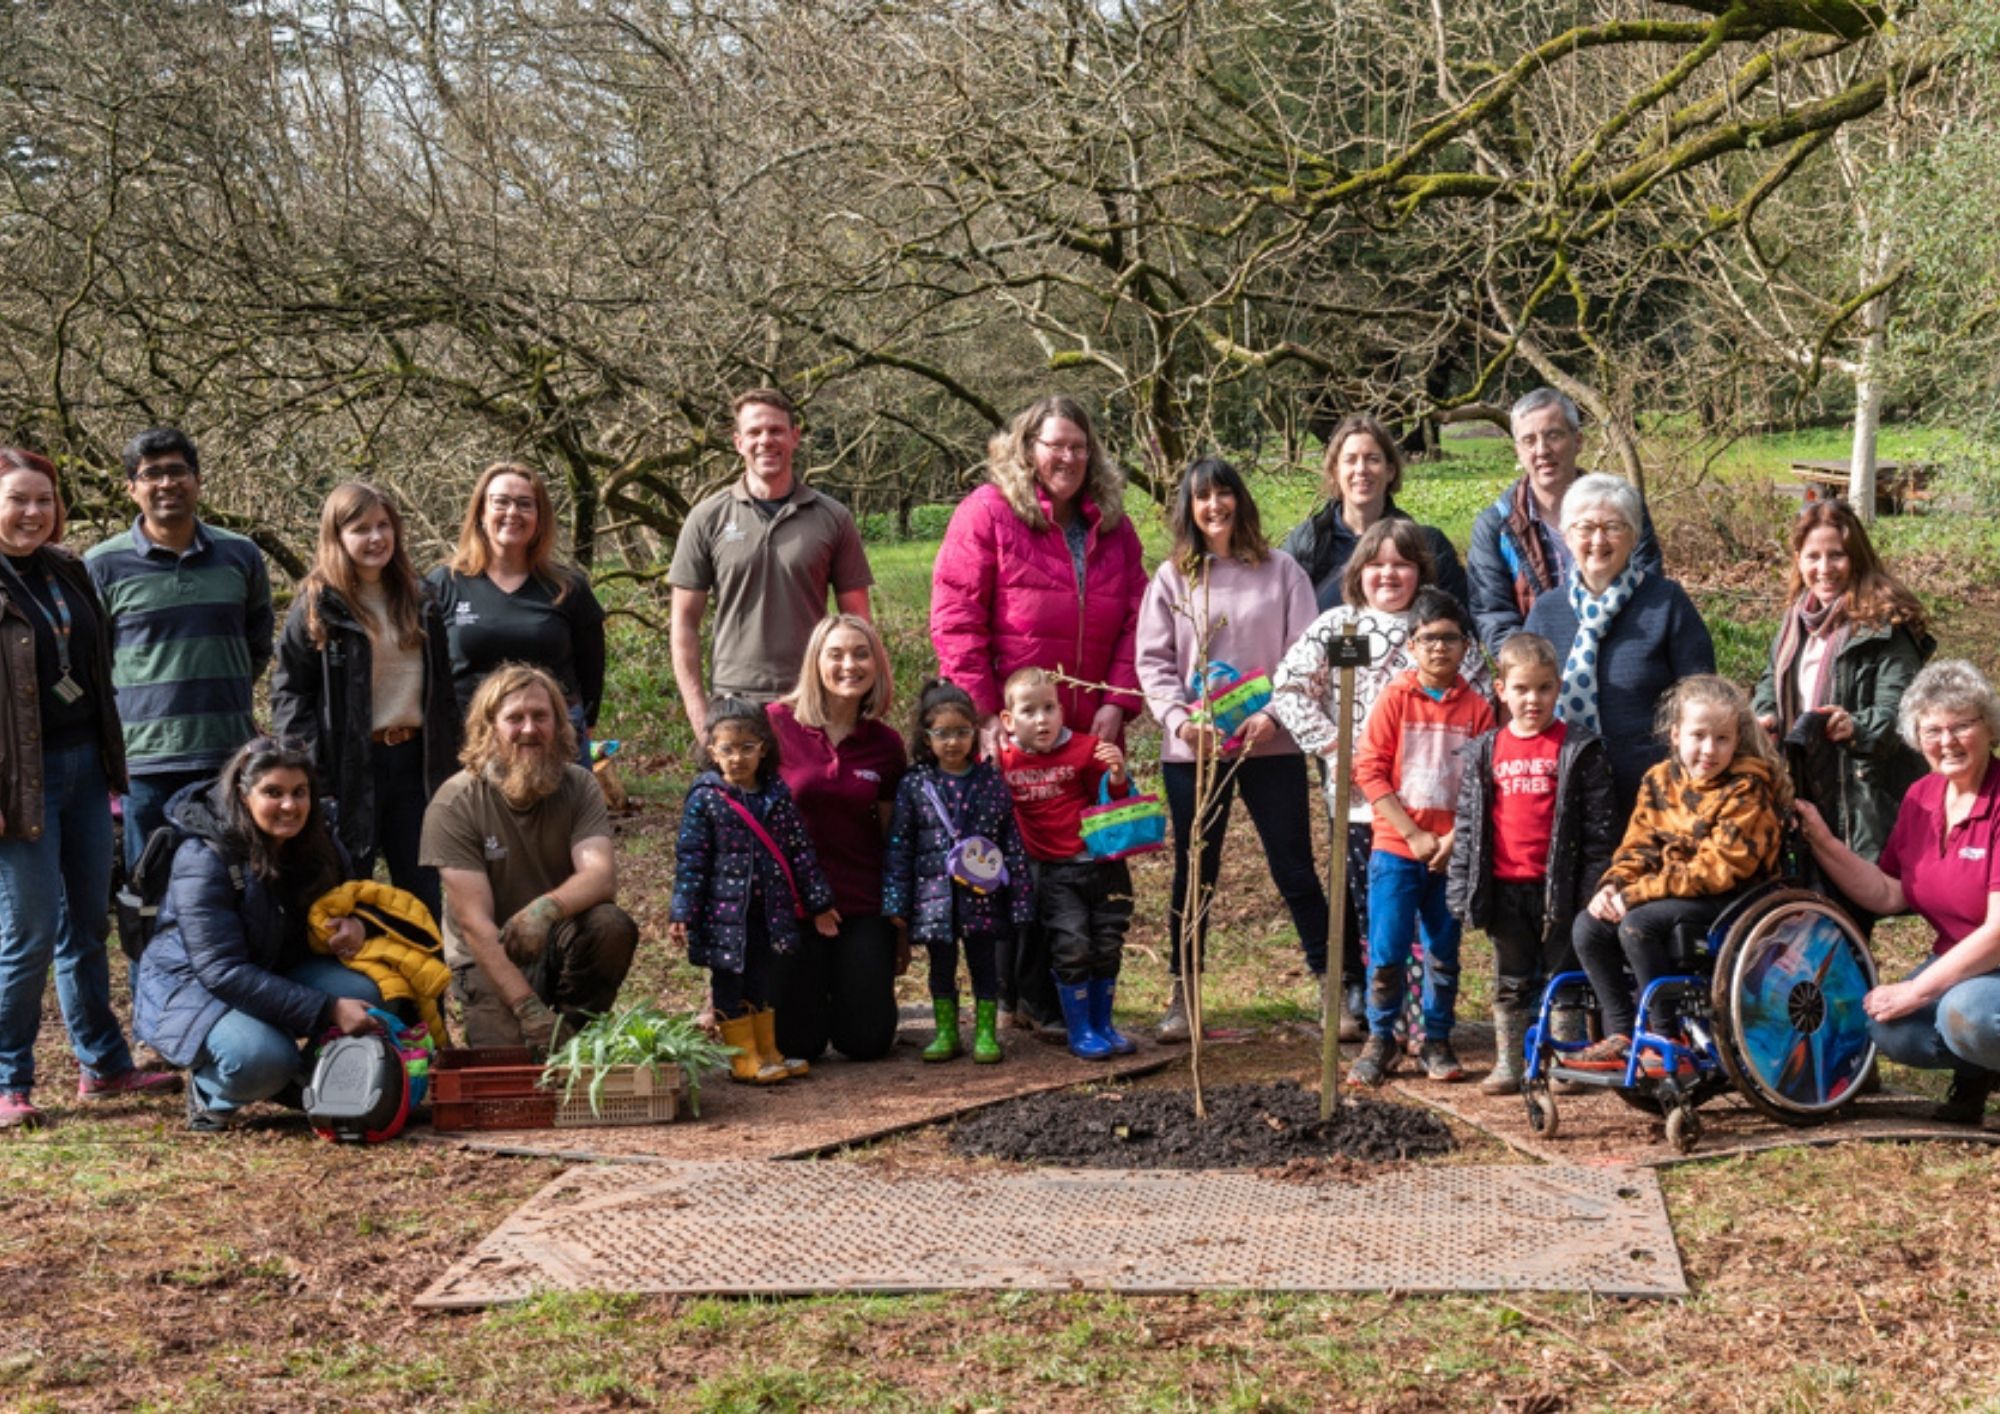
[1708,824]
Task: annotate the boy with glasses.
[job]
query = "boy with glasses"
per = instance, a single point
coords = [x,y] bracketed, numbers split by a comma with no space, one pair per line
[188,607]
[1409,767]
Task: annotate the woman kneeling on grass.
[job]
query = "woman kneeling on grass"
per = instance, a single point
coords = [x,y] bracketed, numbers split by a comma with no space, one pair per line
[230,985]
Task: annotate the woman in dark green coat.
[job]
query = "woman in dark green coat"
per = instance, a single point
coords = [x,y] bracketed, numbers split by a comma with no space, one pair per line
[1851,640]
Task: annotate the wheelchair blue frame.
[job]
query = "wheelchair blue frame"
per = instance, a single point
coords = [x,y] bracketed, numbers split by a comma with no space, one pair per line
[1784,1026]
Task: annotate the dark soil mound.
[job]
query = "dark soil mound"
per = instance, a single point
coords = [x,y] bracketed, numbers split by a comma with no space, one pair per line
[1248,1126]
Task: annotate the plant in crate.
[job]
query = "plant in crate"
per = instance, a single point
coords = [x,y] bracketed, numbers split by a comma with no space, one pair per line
[641,1035]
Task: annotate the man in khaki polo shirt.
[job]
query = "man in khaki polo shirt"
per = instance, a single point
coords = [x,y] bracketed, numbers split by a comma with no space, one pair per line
[767,549]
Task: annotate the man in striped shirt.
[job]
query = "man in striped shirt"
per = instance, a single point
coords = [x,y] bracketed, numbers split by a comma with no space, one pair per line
[189,607]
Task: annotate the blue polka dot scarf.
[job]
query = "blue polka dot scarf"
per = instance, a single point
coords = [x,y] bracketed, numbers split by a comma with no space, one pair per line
[1594,615]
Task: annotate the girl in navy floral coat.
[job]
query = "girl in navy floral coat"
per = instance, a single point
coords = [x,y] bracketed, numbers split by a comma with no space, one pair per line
[956,869]
[746,874]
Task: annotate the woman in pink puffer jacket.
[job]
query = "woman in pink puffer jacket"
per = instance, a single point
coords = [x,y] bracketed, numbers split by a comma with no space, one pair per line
[1040,568]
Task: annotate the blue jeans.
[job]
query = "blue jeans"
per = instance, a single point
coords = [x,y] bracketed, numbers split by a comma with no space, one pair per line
[1959,1029]
[55,904]
[243,1059]
[146,806]
[582,737]
[1403,897]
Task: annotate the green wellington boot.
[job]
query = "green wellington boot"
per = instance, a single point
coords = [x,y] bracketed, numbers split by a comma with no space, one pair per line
[945,1045]
[985,1040]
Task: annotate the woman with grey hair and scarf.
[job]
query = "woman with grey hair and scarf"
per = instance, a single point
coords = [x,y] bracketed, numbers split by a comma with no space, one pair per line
[1624,634]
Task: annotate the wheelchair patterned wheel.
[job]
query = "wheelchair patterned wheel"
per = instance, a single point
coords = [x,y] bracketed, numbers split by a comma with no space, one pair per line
[1789,980]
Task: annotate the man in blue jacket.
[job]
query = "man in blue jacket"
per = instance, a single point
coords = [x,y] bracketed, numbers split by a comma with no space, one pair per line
[1517,552]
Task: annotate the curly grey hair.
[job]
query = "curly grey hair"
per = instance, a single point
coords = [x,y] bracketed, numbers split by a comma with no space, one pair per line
[1948,685]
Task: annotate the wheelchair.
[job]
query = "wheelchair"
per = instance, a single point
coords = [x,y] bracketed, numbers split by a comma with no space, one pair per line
[1765,1002]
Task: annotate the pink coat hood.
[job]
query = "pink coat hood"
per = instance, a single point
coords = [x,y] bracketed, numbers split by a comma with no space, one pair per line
[1004,596]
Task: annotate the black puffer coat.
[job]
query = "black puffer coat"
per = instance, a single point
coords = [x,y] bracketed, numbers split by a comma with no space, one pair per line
[1586,835]
[325,698]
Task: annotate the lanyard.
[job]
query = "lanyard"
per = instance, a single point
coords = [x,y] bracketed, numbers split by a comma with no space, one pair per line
[60,625]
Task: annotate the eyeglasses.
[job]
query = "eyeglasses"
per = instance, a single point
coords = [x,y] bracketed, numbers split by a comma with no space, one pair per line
[1553,438]
[160,475]
[1064,449]
[949,733]
[1957,731]
[1588,530]
[524,504]
[1440,640]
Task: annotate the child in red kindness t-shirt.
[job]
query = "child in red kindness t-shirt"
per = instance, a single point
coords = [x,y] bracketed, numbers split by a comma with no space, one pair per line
[1409,767]
[1083,905]
[1537,824]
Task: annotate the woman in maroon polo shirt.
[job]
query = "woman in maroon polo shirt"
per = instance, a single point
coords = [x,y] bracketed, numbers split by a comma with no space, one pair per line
[1942,862]
[841,762]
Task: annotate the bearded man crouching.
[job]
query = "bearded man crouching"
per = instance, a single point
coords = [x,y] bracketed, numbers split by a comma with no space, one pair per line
[522,841]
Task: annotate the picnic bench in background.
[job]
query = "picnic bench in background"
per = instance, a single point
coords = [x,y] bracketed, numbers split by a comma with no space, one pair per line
[1899,486]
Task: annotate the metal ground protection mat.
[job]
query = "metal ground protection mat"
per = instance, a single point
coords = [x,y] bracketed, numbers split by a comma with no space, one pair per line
[812,1228]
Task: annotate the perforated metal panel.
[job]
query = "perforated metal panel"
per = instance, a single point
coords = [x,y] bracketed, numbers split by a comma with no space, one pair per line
[791,1229]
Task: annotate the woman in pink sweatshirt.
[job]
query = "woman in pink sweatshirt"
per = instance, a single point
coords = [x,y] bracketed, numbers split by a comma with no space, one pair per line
[1224,596]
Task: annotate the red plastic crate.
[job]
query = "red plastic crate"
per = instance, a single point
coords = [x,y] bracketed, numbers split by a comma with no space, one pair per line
[498,1087]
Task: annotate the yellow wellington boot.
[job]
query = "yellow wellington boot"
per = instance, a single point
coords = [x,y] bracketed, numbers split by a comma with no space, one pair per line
[766,1023]
[748,1064]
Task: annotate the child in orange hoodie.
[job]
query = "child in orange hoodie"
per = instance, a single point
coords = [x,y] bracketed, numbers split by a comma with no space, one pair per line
[1708,824]
[1409,768]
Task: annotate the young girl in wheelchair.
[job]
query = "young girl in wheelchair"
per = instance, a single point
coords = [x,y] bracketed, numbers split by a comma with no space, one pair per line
[1708,824]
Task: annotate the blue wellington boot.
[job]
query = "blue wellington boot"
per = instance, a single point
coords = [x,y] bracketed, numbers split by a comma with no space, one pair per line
[1102,990]
[1084,1042]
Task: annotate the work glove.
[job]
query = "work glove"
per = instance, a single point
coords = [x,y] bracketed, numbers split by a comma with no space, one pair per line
[527,932]
[538,1022]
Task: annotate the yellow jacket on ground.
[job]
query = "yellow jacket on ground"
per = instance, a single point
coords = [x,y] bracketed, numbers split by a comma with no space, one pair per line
[402,954]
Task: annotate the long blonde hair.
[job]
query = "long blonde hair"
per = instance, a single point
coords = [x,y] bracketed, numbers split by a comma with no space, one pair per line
[482,735]
[333,568]
[475,556]
[1010,464]
[1711,690]
[808,699]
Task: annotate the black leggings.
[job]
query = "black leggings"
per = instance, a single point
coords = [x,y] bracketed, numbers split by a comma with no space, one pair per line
[740,993]
[1279,798]
[1643,941]
[839,990]
[980,961]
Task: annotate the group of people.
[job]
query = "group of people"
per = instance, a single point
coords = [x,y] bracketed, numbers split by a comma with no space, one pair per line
[433,724]
[1595,788]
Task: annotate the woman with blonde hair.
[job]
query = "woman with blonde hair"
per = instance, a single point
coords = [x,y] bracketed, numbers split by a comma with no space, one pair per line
[841,761]
[506,598]
[364,681]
